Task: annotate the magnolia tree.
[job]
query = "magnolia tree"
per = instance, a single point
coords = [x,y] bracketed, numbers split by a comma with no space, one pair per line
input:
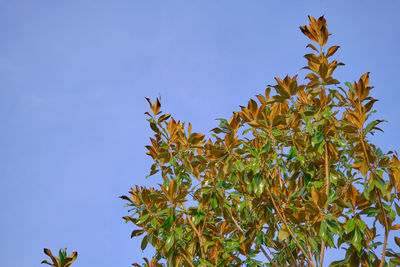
[282,180]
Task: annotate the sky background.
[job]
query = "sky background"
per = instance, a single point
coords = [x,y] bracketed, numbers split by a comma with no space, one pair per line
[73,77]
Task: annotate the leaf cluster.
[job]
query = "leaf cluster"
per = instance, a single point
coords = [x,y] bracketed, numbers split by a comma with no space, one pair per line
[62,260]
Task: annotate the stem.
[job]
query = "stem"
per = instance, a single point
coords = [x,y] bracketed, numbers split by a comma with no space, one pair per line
[290,231]
[235,222]
[381,206]
[262,249]
[195,230]
[309,250]
[321,256]
[291,254]
[186,259]
[384,249]
[386,231]
[268,257]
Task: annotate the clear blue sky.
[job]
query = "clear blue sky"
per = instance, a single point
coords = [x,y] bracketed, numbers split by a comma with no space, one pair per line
[74,74]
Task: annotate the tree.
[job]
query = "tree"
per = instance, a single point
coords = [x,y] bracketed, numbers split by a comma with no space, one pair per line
[285,177]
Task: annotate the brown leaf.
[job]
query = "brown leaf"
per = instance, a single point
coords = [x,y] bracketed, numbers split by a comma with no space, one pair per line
[48,253]
[395,227]
[332,50]
[397,240]
[69,260]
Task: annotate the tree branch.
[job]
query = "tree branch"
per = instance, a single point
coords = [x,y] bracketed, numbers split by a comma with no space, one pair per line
[321,255]
[290,231]
[387,229]
[189,218]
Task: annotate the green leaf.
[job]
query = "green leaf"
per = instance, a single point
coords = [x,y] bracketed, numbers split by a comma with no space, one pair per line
[350,224]
[267,146]
[214,201]
[179,232]
[276,133]
[260,238]
[142,219]
[203,261]
[197,218]
[356,239]
[334,227]
[292,153]
[168,222]
[323,231]
[154,223]
[361,225]
[172,161]
[169,242]
[371,212]
[321,147]
[350,86]
[258,185]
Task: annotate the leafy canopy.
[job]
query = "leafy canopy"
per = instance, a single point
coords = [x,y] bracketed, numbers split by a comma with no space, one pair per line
[286,177]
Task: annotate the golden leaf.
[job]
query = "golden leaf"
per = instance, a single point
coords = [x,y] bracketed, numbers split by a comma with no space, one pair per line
[332,50]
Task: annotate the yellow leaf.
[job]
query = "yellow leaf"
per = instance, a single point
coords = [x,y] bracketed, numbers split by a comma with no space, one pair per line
[283,234]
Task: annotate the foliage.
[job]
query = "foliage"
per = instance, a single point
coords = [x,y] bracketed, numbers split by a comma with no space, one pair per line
[285,177]
[62,260]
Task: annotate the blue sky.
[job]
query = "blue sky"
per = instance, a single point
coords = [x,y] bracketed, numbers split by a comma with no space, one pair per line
[74,74]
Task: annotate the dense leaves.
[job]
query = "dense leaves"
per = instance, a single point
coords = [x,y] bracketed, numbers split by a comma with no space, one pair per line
[287,176]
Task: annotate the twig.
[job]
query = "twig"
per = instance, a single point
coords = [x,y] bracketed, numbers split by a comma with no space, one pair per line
[321,255]
[195,230]
[268,257]
[242,231]
[290,231]
[387,229]
[186,259]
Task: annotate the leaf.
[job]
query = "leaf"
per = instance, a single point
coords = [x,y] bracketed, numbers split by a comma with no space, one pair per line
[397,209]
[163,118]
[142,219]
[179,232]
[361,225]
[283,233]
[395,227]
[395,262]
[292,153]
[54,260]
[334,227]
[356,239]
[332,50]
[203,261]
[397,240]
[137,232]
[323,231]
[312,47]
[169,242]
[143,245]
[276,133]
[350,224]
[214,201]
[168,222]
[69,260]
[350,86]
[371,126]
